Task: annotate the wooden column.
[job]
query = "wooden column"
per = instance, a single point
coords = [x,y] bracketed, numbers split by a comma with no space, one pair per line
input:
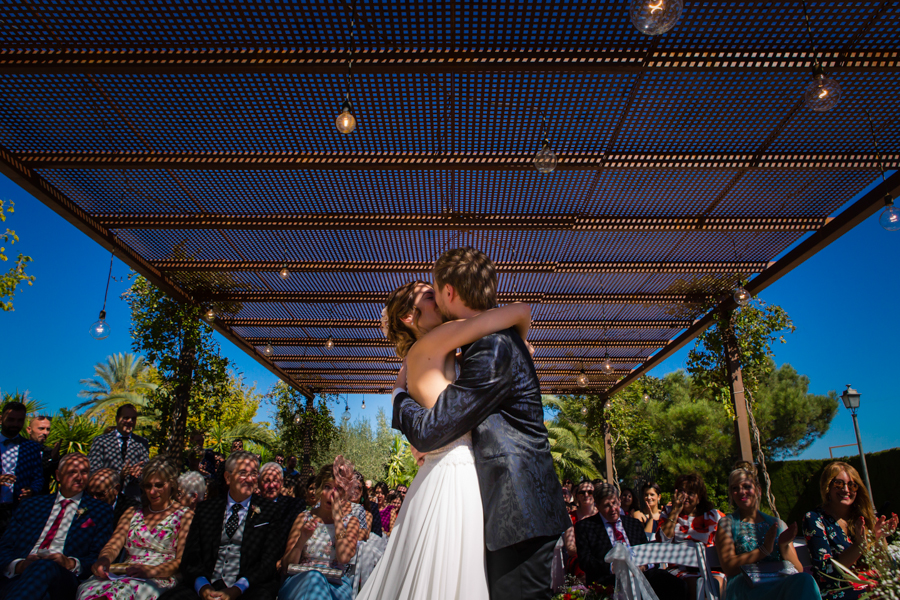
[608,451]
[736,383]
[306,466]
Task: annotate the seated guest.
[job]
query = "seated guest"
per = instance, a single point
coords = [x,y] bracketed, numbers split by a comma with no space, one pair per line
[53,540]
[23,470]
[585,507]
[153,537]
[691,518]
[748,536]
[383,506]
[650,514]
[122,450]
[322,537]
[106,485]
[355,504]
[595,536]
[309,491]
[233,543]
[373,518]
[390,512]
[837,529]
[629,502]
[191,489]
[198,458]
[270,483]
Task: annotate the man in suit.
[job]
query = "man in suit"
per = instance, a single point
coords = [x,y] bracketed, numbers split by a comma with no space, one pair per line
[497,397]
[234,541]
[53,540]
[23,475]
[105,485]
[122,451]
[595,536]
[38,430]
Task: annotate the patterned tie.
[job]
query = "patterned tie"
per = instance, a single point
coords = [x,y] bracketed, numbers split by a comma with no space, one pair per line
[620,537]
[55,527]
[124,448]
[234,521]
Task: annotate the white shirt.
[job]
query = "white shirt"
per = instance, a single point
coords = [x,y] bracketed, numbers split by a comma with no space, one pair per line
[59,540]
[9,458]
[242,583]
[610,527]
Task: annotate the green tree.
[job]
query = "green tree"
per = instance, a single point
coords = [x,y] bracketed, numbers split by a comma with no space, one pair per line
[10,280]
[74,432]
[576,454]
[122,379]
[305,428]
[32,407]
[369,450]
[173,337]
[402,467]
[219,437]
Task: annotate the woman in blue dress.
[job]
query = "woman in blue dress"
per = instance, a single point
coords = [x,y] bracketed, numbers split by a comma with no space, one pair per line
[749,537]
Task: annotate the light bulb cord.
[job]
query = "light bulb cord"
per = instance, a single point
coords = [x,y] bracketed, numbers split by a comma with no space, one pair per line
[108,277]
[875,142]
[350,49]
[812,41]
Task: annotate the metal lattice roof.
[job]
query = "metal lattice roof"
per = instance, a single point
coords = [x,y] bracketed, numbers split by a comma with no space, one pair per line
[198,140]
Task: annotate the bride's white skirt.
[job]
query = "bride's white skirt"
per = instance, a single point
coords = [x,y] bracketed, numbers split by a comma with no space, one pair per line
[436,550]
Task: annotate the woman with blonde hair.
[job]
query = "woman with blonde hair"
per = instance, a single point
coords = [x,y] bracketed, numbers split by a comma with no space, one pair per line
[838,529]
[153,537]
[750,543]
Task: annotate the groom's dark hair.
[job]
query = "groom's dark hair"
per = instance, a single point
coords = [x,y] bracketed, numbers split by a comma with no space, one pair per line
[471,273]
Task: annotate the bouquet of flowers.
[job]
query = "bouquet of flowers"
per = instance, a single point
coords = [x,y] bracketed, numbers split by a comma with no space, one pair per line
[575,590]
[882,580]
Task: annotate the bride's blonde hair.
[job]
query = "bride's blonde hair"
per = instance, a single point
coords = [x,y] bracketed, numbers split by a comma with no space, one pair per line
[400,304]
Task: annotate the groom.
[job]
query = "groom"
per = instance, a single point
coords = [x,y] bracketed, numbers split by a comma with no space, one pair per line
[498,398]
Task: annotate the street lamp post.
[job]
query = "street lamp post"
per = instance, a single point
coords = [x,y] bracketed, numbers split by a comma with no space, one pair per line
[850,397]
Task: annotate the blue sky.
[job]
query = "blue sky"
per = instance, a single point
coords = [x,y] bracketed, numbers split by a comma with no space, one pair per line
[841,301]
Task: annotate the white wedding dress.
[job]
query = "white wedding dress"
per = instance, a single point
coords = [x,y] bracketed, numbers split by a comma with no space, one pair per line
[436,549]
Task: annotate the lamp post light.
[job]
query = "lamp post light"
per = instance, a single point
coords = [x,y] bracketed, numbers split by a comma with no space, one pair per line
[850,397]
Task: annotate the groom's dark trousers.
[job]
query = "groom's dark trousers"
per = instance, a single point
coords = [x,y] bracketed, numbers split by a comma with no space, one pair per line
[498,398]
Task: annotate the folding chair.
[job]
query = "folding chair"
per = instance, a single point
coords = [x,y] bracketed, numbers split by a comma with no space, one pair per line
[687,554]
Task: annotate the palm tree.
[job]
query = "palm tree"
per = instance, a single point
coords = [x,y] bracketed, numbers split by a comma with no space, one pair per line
[121,380]
[75,432]
[32,407]
[221,437]
[575,454]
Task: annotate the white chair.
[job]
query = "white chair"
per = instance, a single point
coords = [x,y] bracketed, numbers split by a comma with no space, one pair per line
[686,554]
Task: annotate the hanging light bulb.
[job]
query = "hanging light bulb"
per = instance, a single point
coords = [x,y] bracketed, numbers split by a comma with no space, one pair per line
[646,397]
[268,350]
[654,17]
[364,404]
[297,419]
[606,365]
[582,379]
[741,296]
[890,216]
[329,343]
[210,314]
[823,93]
[345,121]
[583,409]
[347,414]
[100,329]
[545,159]
[607,405]
[284,273]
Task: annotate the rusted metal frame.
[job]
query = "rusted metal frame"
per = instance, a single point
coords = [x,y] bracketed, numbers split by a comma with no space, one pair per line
[384,343]
[199,266]
[71,212]
[299,358]
[448,162]
[341,297]
[856,213]
[377,61]
[738,399]
[375,323]
[418,222]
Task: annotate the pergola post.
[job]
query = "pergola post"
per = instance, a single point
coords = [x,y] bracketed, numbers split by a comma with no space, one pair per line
[736,385]
[306,468]
[608,452]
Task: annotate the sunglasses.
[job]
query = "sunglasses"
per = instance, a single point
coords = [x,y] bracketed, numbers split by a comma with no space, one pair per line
[840,483]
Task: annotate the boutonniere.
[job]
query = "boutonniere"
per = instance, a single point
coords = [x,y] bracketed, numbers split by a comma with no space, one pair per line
[80,512]
[254,510]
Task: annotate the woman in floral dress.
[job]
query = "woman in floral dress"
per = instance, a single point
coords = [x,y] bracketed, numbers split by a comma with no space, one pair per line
[837,530]
[690,518]
[153,538]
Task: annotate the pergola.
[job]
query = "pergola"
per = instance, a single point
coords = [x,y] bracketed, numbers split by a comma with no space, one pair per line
[197,140]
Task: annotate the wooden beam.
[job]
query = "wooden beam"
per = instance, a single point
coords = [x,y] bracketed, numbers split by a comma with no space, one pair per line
[376,324]
[342,297]
[384,343]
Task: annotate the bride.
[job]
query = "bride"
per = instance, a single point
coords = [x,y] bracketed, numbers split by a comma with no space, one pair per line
[436,549]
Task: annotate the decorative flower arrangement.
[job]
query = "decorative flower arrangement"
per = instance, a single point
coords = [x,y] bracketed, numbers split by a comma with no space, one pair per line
[254,510]
[80,512]
[882,580]
[575,590]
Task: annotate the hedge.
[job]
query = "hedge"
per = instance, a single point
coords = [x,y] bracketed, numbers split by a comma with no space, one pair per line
[795,483]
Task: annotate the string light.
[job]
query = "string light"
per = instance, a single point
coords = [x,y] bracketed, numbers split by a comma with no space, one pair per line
[100,329]
[823,93]
[607,405]
[297,419]
[346,122]
[584,410]
[741,296]
[268,350]
[582,379]
[329,343]
[646,397]
[284,273]
[890,216]
[607,365]
[210,314]
[545,159]
[655,17]
[364,403]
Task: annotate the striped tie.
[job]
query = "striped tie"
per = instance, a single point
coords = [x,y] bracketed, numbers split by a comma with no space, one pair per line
[55,527]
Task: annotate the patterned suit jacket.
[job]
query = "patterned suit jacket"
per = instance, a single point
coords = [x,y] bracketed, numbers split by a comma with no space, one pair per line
[29,469]
[88,534]
[592,544]
[260,549]
[106,453]
[498,398]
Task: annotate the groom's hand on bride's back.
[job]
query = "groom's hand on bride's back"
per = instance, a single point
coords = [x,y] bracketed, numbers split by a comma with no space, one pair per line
[401,377]
[419,456]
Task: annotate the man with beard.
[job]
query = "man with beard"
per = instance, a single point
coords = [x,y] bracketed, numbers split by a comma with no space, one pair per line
[38,430]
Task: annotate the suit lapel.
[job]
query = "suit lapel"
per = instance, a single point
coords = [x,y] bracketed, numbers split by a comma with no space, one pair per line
[81,517]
